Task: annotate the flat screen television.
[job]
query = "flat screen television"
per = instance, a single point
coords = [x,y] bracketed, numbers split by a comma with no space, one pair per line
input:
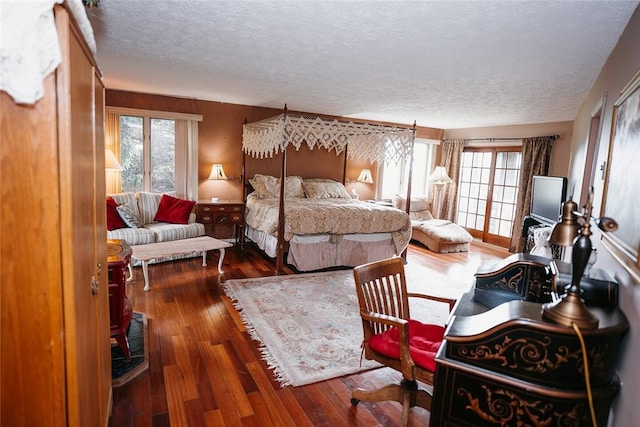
[547,195]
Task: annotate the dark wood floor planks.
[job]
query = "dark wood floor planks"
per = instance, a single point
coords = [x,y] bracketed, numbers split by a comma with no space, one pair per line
[205,370]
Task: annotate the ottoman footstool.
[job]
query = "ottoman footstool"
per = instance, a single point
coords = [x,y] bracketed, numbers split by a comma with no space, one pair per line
[441,236]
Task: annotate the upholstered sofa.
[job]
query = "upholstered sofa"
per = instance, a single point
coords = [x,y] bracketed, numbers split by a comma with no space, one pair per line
[437,235]
[144,217]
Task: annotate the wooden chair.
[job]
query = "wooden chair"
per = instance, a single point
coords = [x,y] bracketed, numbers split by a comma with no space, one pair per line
[389,330]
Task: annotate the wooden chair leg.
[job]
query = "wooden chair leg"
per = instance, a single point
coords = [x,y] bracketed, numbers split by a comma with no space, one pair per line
[389,392]
[407,393]
[422,399]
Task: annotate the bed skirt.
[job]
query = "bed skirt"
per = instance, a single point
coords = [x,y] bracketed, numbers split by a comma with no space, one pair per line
[308,253]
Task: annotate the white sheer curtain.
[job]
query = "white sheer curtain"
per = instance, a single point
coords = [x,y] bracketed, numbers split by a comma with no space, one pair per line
[187,159]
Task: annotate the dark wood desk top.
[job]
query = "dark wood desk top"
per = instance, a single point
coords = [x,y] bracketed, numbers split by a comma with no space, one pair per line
[471,318]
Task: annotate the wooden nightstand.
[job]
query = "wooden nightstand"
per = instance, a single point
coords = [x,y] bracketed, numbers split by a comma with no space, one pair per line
[222,219]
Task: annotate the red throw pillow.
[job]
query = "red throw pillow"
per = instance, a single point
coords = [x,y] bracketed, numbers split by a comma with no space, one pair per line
[174,211]
[113,217]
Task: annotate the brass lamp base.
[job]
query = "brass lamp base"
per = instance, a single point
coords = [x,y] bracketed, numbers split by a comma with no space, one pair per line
[570,309]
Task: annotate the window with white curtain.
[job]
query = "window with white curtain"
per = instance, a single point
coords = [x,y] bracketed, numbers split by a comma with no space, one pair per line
[158,151]
[395,175]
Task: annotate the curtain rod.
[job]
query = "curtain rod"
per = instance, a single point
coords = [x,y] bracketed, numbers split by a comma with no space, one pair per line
[552,137]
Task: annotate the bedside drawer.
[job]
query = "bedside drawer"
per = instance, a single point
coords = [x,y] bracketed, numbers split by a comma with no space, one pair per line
[223,219]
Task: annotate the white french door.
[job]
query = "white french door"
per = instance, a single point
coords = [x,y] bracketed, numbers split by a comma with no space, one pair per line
[488,192]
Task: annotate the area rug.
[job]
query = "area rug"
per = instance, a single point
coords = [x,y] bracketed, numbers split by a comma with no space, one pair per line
[309,326]
[122,371]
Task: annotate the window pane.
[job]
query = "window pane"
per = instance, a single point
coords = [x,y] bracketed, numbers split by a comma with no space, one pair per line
[507,211]
[391,181]
[509,195]
[486,173]
[486,160]
[131,151]
[512,177]
[465,174]
[484,191]
[496,208]
[505,228]
[163,155]
[463,204]
[464,189]
[513,160]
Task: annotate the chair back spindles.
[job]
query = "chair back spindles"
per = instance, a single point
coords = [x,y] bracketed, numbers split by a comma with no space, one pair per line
[382,289]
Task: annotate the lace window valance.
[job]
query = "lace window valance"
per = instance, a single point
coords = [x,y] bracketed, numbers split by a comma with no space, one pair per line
[365,141]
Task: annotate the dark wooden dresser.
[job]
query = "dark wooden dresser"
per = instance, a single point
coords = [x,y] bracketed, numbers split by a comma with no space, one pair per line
[222,219]
[502,364]
[120,311]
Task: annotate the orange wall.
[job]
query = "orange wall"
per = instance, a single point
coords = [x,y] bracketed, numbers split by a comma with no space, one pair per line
[220,141]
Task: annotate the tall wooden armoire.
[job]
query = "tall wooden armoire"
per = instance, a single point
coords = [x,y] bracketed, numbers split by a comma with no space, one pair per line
[55,346]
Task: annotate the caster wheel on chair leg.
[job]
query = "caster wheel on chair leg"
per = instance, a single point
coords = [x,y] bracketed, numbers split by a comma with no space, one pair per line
[354,401]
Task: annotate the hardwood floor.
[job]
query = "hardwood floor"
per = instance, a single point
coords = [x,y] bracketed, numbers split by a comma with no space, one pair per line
[205,370]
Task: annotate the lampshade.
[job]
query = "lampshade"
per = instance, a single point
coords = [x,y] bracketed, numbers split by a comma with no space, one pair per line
[110,161]
[365,176]
[439,176]
[565,231]
[217,172]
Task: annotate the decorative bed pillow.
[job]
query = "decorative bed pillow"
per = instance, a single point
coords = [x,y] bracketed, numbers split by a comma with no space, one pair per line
[129,216]
[325,190]
[269,186]
[114,221]
[173,210]
[266,186]
[293,186]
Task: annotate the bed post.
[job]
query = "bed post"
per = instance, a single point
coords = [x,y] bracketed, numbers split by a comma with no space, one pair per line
[283,175]
[244,169]
[408,205]
[344,165]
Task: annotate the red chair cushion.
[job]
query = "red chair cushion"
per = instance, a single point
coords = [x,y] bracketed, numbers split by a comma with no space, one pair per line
[424,341]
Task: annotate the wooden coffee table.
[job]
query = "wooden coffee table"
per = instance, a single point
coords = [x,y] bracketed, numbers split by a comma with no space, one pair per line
[151,251]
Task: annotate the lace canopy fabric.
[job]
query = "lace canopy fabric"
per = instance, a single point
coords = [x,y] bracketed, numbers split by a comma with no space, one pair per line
[373,142]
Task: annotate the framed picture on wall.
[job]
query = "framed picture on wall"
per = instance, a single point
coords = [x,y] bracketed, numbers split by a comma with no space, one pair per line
[622,182]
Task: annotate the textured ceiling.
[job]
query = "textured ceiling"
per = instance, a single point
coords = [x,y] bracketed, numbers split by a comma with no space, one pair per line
[445,64]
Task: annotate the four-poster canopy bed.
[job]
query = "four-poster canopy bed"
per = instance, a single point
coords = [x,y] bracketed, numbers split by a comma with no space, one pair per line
[313,219]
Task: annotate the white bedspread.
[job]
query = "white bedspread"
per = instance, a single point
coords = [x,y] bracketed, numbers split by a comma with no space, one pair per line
[305,216]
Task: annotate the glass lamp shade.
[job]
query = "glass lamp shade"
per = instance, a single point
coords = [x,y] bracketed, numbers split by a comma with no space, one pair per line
[365,176]
[439,176]
[217,172]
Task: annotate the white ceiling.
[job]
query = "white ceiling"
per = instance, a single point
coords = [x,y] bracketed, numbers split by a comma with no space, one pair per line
[445,64]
